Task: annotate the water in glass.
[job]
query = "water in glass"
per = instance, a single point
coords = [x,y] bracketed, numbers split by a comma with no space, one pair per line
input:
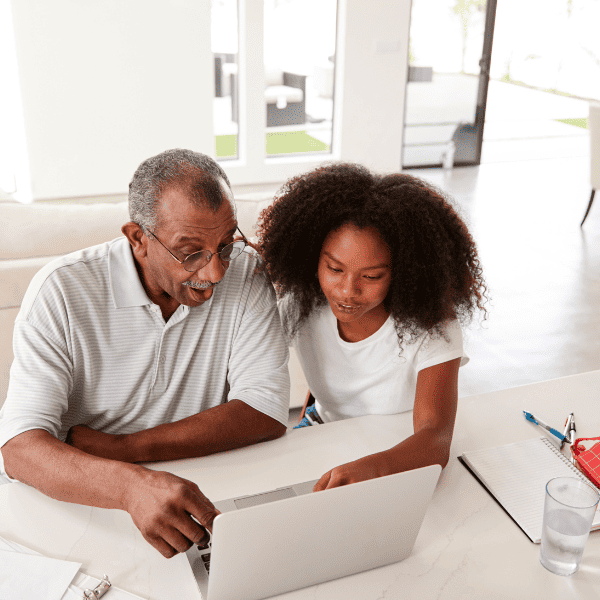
[564,535]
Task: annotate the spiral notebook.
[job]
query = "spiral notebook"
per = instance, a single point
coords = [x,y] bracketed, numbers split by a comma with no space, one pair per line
[516,476]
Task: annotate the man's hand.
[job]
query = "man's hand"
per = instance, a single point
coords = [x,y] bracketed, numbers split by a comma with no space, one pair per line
[96,443]
[170,512]
[368,467]
[162,506]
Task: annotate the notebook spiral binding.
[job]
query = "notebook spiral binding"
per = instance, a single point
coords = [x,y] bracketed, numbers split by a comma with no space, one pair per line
[565,460]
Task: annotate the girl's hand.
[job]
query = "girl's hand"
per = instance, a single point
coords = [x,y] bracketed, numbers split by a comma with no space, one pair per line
[368,467]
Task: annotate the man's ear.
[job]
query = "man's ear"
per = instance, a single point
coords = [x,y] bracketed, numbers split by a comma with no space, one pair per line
[137,238]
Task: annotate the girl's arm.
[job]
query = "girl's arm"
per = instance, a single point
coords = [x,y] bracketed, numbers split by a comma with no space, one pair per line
[433,419]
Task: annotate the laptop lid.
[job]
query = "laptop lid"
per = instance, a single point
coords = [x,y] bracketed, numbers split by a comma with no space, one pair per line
[295,542]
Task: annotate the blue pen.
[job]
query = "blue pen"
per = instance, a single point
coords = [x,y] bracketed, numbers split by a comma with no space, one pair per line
[547,427]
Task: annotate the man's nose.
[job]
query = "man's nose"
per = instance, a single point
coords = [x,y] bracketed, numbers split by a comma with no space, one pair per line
[214,270]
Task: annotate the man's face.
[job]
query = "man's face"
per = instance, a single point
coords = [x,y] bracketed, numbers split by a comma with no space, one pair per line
[184,228]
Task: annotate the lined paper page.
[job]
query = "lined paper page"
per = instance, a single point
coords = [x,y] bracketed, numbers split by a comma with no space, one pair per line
[516,475]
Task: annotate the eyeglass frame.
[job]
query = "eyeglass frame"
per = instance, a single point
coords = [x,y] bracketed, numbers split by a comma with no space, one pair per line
[211,254]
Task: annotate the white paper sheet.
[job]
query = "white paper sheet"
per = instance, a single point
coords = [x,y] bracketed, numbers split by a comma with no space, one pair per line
[30,576]
[79,582]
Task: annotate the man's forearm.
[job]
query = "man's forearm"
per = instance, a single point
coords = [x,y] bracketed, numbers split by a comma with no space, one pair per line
[38,459]
[225,427]
[169,511]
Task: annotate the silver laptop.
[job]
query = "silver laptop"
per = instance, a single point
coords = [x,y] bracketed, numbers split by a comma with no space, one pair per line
[290,538]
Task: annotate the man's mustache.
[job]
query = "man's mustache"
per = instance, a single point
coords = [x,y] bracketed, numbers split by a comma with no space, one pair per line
[200,285]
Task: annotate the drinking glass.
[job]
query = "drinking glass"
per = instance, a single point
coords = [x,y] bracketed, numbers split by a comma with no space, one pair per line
[568,514]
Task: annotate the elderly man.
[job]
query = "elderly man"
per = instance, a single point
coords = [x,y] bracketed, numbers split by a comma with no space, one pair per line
[162,344]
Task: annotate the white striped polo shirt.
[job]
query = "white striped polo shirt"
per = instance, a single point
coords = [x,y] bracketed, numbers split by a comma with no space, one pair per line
[91,348]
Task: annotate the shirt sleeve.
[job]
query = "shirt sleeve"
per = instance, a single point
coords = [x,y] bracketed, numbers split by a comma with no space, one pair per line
[39,385]
[437,350]
[258,366]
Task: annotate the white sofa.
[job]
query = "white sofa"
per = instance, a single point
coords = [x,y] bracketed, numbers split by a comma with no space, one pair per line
[32,235]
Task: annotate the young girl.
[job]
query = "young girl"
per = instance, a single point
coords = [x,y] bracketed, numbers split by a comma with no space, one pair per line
[375,274]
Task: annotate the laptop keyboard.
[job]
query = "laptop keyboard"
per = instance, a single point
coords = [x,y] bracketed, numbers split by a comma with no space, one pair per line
[206,561]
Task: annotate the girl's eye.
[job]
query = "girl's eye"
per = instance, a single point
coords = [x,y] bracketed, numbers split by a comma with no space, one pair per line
[333,269]
[372,278]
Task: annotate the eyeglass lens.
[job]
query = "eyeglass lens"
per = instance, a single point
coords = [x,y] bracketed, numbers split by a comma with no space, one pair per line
[199,259]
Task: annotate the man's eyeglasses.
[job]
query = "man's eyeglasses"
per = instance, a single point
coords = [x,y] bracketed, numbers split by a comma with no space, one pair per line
[198,260]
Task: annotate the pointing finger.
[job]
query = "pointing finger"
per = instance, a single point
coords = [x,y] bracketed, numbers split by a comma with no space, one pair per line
[323,482]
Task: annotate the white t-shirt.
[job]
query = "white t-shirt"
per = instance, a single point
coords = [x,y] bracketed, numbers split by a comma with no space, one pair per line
[91,348]
[351,379]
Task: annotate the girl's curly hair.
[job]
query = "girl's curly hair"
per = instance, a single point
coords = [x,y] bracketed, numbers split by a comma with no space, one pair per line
[436,273]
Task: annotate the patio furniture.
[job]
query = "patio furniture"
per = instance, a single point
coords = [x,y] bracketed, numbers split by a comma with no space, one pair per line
[594,129]
[422,74]
[225,67]
[465,145]
[285,97]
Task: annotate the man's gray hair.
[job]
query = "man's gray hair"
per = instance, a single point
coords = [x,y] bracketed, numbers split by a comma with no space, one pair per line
[195,173]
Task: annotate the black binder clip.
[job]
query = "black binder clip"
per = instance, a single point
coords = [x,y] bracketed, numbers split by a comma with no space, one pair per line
[99,590]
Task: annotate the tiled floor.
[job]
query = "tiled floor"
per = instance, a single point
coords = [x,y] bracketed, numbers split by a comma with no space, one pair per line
[543,270]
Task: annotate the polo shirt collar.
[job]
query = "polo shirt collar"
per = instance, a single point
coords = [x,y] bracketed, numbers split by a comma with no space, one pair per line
[125,285]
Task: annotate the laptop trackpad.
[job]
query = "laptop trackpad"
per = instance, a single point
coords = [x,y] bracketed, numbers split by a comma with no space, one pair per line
[264,498]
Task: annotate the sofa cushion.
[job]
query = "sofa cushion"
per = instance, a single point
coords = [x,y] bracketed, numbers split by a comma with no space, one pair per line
[15,276]
[273,75]
[248,211]
[7,323]
[33,230]
[28,230]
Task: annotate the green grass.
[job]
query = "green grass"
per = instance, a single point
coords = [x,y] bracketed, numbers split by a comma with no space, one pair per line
[226,145]
[582,122]
[279,142]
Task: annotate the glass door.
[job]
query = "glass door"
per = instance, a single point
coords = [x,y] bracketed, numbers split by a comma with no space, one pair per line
[299,58]
[449,62]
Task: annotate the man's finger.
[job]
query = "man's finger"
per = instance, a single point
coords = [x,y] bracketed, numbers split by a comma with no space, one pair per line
[203,542]
[202,510]
[163,547]
[198,491]
[174,538]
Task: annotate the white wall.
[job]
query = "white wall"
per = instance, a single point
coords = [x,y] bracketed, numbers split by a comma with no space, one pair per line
[105,85]
[13,152]
[371,82]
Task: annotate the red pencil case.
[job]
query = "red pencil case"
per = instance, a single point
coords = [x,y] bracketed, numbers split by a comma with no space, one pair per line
[586,453]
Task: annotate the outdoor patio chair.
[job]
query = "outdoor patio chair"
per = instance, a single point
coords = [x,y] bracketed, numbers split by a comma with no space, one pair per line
[594,129]
[225,67]
[285,97]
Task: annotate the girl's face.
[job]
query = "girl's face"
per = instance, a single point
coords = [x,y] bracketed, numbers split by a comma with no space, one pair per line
[355,273]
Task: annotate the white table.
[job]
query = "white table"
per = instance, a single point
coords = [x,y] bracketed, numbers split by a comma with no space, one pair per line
[467,548]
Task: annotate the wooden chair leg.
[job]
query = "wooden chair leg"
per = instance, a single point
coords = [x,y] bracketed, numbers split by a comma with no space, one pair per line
[588,208]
